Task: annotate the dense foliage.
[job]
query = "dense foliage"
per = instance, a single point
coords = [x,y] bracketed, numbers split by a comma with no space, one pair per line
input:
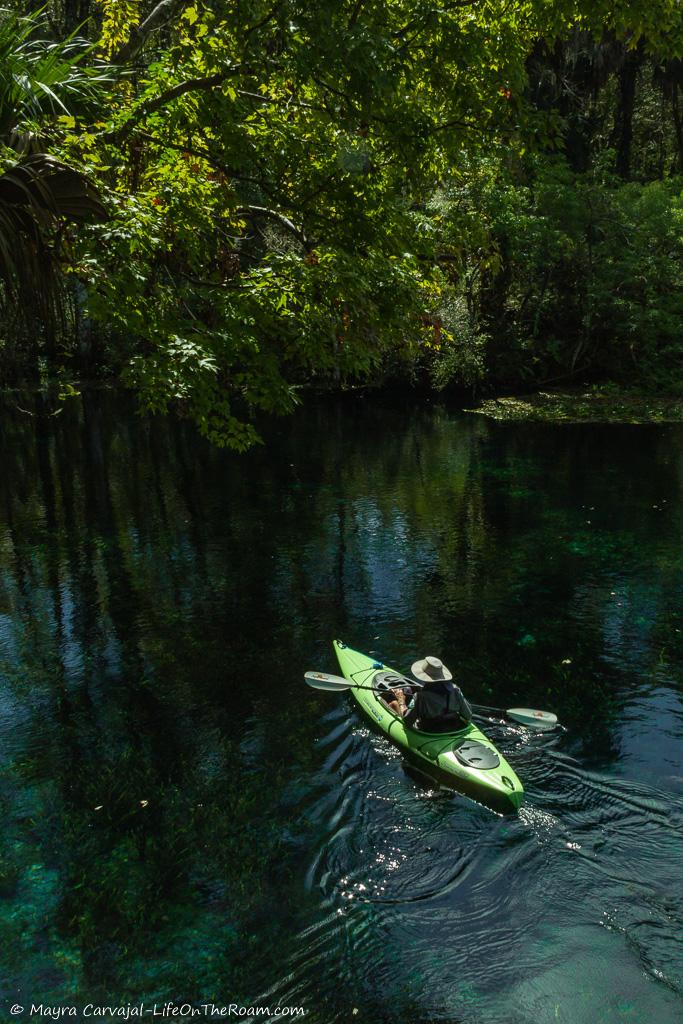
[575,275]
[294,192]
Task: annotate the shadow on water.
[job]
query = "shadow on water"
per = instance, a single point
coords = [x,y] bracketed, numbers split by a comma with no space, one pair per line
[183,820]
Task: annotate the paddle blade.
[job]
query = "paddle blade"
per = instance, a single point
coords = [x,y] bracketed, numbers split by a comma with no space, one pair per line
[541,720]
[324,681]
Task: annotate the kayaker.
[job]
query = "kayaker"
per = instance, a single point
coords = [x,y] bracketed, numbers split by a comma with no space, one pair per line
[439,705]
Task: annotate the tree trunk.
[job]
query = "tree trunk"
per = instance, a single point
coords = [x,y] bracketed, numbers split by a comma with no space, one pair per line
[623,120]
[678,125]
[75,13]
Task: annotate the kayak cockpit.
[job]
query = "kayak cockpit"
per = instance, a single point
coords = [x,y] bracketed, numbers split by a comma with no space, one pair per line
[386,681]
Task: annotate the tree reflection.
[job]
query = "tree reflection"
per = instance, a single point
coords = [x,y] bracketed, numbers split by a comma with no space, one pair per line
[159,601]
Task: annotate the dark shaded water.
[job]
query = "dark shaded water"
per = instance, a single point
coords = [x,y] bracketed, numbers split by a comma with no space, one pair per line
[184,820]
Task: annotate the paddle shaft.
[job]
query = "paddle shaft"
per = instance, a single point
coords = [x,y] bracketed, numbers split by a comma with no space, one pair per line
[374,689]
[402,686]
[526,716]
[476,708]
[484,707]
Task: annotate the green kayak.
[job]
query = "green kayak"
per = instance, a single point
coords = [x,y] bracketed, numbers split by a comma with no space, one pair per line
[465,760]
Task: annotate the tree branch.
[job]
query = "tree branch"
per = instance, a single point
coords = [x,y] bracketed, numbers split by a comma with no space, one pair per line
[297,105]
[303,202]
[264,211]
[205,154]
[264,21]
[224,285]
[159,16]
[356,13]
[190,85]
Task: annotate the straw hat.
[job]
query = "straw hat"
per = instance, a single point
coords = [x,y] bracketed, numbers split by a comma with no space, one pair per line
[431,670]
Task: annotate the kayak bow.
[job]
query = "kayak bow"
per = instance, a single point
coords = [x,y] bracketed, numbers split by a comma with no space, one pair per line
[465,760]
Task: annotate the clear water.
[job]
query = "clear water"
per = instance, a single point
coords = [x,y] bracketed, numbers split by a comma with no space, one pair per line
[184,820]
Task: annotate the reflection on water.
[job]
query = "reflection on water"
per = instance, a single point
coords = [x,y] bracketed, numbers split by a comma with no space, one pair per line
[184,820]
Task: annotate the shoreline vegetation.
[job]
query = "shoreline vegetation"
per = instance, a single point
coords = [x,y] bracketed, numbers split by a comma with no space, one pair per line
[588,404]
[584,405]
[219,208]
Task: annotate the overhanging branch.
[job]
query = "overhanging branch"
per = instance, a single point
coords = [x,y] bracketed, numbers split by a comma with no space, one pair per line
[264,211]
[208,82]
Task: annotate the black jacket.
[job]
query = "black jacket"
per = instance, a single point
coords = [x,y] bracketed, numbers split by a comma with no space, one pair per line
[439,706]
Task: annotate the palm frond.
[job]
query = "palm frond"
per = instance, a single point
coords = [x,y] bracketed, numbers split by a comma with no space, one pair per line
[37,194]
[41,77]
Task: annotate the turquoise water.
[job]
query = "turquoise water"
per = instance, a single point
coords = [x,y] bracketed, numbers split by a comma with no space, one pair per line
[185,821]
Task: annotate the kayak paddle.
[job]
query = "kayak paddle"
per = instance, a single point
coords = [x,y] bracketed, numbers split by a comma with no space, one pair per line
[542,720]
